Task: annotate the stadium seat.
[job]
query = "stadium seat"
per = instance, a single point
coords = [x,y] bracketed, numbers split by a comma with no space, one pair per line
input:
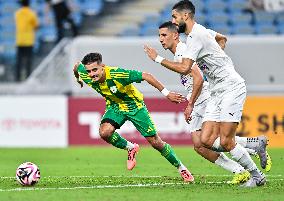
[240,18]
[217,18]
[222,28]
[200,18]
[262,17]
[280,18]
[243,29]
[265,29]
[280,28]
[199,5]
[215,5]
[9,51]
[148,31]
[92,7]
[237,5]
[133,31]
[48,33]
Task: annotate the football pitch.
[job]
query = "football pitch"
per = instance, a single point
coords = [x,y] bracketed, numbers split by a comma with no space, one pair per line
[99,173]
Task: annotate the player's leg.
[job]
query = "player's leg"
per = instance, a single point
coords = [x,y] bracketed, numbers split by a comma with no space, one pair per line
[230,115]
[109,123]
[238,153]
[167,151]
[144,124]
[256,146]
[219,159]
[209,129]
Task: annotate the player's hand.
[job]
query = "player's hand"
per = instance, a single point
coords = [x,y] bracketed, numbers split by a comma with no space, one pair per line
[176,97]
[151,52]
[187,113]
[76,74]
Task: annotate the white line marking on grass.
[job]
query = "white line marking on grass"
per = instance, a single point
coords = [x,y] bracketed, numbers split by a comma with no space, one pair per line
[114,186]
[94,187]
[137,176]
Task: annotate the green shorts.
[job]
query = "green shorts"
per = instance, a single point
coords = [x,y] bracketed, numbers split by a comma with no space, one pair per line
[141,120]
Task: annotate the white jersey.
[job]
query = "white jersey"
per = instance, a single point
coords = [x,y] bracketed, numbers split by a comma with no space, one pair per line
[187,80]
[216,65]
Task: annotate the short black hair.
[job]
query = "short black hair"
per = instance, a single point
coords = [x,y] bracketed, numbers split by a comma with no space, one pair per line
[172,27]
[92,58]
[24,2]
[184,5]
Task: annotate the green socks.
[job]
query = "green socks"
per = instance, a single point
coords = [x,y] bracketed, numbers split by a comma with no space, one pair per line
[116,140]
[170,155]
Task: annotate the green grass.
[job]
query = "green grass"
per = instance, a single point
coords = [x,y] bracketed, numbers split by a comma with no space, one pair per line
[99,173]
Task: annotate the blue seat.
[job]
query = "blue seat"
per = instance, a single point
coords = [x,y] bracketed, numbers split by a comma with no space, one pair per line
[92,7]
[215,6]
[200,18]
[6,20]
[217,18]
[9,6]
[239,18]
[133,31]
[237,5]
[222,28]
[9,51]
[243,29]
[262,17]
[266,29]
[153,19]
[148,31]
[48,33]
[199,5]
[280,28]
[280,18]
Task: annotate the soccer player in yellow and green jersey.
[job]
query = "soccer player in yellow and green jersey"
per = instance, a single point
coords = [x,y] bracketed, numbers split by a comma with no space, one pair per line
[125,102]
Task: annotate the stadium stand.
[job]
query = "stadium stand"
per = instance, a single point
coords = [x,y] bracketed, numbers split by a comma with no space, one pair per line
[134,18]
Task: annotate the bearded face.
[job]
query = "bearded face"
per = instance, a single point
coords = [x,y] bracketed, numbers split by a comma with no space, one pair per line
[181,27]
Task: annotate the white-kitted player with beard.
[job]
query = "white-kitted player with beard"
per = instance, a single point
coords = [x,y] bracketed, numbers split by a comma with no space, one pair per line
[170,40]
[227,89]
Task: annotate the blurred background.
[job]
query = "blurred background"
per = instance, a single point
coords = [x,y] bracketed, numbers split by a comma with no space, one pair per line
[41,104]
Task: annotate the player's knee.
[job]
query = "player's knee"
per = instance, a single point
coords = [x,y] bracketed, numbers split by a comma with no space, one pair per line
[105,133]
[206,142]
[227,144]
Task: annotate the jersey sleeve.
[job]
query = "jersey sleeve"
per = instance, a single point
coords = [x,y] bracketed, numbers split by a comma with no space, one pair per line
[212,33]
[127,76]
[194,46]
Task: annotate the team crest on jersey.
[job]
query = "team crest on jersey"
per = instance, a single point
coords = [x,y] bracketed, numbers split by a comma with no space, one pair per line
[113,89]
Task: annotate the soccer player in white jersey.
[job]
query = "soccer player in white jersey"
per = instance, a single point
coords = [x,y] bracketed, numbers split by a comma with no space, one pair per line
[227,89]
[169,38]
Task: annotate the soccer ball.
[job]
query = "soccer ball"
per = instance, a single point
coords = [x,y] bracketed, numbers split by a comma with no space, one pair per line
[27,174]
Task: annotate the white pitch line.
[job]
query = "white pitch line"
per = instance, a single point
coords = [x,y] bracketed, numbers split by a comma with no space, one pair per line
[112,186]
[93,187]
[135,176]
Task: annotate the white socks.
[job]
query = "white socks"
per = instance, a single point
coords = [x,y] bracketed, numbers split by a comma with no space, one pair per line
[248,143]
[240,155]
[129,145]
[241,140]
[228,164]
[181,167]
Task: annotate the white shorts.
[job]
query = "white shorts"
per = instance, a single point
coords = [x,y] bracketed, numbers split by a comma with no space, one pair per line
[197,116]
[226,106]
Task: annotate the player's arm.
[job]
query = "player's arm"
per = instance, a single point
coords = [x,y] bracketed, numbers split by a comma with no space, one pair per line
[197,84]
[76,74]
[196,90]
[183,67]
[172,96]
[221,40]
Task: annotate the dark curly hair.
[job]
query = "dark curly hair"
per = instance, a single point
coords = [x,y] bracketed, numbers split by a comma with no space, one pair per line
[92,58]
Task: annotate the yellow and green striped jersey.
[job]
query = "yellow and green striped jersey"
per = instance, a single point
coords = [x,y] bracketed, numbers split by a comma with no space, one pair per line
[117,89]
